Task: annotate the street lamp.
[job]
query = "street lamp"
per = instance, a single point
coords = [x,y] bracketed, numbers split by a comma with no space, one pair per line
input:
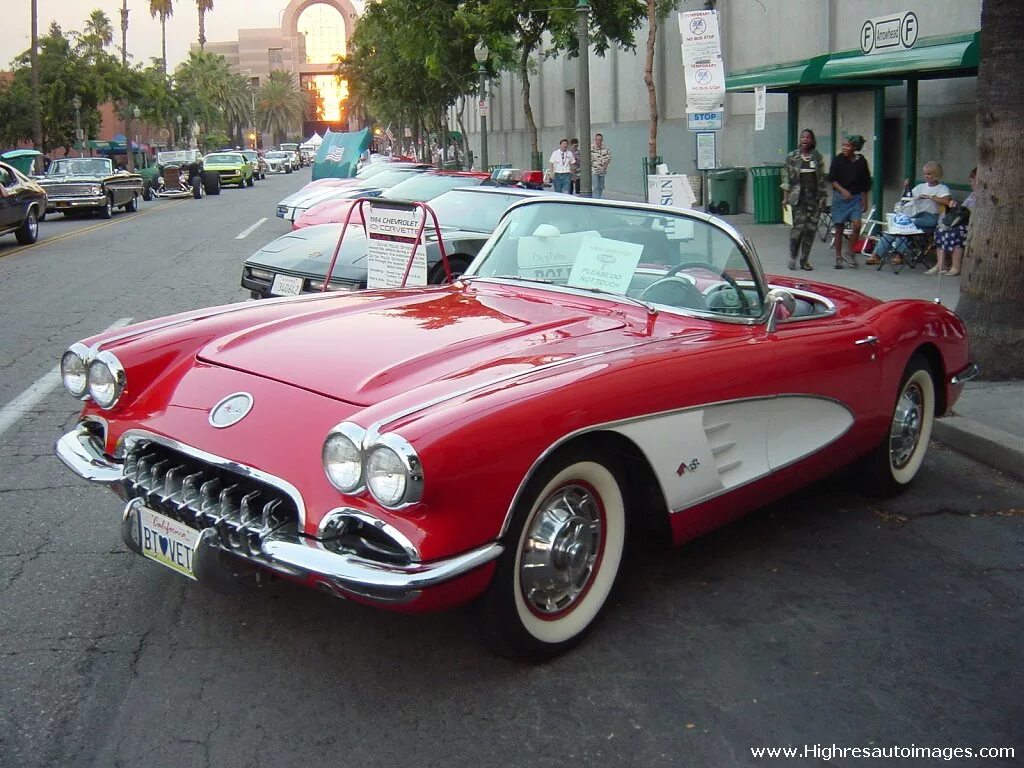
[177,119]
[481,52]
[137,114]
[583,93]
[77,104]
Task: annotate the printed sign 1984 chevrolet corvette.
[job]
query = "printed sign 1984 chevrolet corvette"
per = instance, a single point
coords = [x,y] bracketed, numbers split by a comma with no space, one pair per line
[601,369]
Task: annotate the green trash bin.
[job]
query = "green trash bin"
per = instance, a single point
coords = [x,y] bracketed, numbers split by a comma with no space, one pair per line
[767,194]
[725,187]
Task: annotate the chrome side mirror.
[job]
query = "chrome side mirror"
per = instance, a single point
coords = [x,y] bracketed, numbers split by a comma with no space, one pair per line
[781,305]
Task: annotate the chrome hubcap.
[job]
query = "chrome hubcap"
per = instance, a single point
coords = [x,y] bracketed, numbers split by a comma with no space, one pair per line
[906,426]
[33,225]
[561,550]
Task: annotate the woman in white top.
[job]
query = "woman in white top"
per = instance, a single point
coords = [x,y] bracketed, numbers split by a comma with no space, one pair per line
[928,199]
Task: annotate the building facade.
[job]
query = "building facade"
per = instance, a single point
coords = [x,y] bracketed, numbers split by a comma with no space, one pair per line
[911,105]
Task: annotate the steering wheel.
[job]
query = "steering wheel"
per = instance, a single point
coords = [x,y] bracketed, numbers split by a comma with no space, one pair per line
[712,268]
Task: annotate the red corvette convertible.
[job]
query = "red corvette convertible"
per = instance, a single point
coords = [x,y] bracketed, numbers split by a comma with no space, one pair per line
[602,369]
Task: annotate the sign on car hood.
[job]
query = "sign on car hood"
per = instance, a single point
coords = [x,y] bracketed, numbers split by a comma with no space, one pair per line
[377,345]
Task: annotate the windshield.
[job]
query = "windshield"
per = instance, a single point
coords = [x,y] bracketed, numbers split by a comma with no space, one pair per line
[657,256]
[289,147]
[427,186]
[252,156]
[476,211]
[276,155]
[178,156]
[81,166]
[391,178]
[373,169]
[223,160]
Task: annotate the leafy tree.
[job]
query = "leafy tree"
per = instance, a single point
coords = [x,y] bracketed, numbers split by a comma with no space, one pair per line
[992,289]
[279,105]
[163,9]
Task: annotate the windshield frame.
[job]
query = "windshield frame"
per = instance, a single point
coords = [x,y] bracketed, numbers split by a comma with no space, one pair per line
[211,158]
[738,240]
[71,161]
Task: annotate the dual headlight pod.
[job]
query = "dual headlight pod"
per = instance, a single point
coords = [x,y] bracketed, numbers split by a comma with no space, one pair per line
[388,467]
[101,377]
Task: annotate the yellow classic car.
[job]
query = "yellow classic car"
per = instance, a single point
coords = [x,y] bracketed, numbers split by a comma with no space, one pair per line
[232,167]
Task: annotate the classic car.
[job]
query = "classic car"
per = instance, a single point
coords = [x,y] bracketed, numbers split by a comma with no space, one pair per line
[181,174]
[293,206]
[296,155]
[22,205]
[279,162]
[420,188]
[297,262]
[232,167]
[603,372]
[90,185]
[259,165]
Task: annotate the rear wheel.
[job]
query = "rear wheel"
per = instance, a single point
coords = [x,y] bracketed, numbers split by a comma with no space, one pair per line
[562,555]
[211,182]
[893,465]
[147,192]
[197,188]
[28,232]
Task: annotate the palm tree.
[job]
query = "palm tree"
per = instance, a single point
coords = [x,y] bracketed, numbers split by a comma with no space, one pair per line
[280,104]
[98,30]
[164,9]
[204,6]
[37,119]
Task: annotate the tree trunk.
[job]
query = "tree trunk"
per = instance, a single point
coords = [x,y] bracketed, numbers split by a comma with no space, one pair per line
[202,29]
[992,288]
[652,93]
[460,117]
[163,42]
[524,77]
[37,118]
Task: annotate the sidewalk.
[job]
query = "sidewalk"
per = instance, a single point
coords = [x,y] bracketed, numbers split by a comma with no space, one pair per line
[988,421]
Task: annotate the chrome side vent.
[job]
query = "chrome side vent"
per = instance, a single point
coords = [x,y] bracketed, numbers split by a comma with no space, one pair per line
[722,448]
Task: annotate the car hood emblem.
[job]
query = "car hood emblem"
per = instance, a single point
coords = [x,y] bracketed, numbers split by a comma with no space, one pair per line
[231,410]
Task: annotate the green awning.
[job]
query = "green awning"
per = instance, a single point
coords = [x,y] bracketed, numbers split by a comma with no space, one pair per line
[943,57]
[786,76]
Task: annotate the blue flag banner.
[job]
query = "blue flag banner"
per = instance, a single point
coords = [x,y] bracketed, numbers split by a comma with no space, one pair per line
[339,153]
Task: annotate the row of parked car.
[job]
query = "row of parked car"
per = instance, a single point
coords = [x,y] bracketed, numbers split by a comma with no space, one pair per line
[75,186]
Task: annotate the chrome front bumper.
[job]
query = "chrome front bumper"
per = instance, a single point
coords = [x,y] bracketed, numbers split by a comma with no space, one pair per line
[289,553]
[61,203]
[173,193]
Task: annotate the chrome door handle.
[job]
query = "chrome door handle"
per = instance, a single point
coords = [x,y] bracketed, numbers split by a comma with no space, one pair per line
[867,340]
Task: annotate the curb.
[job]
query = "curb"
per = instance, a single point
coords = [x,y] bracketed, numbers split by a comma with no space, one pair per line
[994,447]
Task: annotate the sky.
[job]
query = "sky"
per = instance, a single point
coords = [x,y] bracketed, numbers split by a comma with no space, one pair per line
[222,23]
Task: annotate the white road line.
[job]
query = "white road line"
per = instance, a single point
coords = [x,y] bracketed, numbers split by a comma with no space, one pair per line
[27,400]
[249,231]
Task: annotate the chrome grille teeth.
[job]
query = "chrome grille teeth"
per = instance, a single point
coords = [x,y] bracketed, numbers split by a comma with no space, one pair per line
[173,484]
[190,491]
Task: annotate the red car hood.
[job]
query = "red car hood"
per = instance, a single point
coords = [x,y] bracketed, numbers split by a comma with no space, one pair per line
[329,212]
[378,345]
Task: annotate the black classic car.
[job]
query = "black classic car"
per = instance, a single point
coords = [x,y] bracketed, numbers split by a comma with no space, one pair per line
[180,174]
[90,185]
[22,204]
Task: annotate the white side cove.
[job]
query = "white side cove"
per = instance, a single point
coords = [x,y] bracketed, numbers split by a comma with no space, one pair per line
[704,452]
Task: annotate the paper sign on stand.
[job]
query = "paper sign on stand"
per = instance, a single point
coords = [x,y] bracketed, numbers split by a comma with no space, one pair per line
[392,234]
[760,104]
[673,189]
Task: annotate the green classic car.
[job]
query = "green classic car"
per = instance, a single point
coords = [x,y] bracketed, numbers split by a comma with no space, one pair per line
[232,167]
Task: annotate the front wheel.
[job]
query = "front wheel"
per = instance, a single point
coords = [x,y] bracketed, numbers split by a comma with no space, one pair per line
[249,182]
[563,550]
[894,464]
[132,205]
[107,211]
[28,232]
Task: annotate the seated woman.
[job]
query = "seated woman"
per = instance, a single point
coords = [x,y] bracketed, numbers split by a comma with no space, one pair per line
[927,198]
[951,240]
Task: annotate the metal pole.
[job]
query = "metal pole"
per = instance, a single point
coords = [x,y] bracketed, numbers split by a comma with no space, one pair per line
[78,132]
[483,117]
[583,94]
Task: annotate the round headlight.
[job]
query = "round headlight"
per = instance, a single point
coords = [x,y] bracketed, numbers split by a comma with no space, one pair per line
[160,180]
[73,370]
[106,380]
[343,459]
[393,472]
[95,190]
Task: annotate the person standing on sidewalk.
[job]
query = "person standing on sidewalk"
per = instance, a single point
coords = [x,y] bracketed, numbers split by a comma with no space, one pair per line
[560,167]
[805,186]
[574,184]
[600,159]
[851,182]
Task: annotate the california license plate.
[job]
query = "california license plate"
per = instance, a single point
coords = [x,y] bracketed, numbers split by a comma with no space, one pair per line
[286,285]
[167,541]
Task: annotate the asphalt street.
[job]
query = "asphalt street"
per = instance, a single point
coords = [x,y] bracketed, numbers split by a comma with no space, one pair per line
[826,619]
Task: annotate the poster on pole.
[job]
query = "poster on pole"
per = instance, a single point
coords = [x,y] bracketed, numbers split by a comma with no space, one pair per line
[703,68]
[698,31]
[760,104]
[706,152]
[392,233]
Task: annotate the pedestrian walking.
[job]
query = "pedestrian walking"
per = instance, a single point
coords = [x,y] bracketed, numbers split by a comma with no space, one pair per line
[574,183]
[805,185]
[600,159]
[851,181]
[560,167]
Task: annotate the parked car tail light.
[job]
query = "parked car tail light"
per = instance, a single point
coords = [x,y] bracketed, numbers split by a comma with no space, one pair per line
[74,370]
[343,457]
[106,380]
[394,475]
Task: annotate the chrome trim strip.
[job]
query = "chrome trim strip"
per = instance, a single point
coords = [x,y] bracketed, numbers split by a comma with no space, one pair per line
[132,436]
[971,371]
[79,451]
[365,517]
[307,557]
[611,424]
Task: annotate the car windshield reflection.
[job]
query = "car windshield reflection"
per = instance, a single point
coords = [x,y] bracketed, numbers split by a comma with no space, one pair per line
[81,166]
[665,259]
